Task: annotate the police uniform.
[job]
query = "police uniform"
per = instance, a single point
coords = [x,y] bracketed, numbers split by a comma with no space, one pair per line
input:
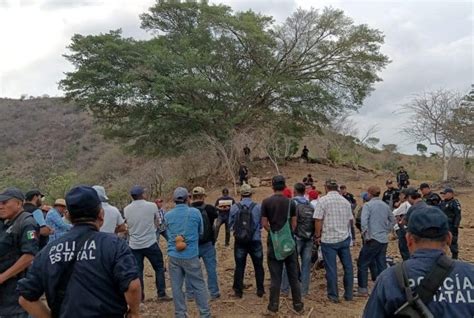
[452,209]
[432,199]
[12,247]
[102,272]
[455,295]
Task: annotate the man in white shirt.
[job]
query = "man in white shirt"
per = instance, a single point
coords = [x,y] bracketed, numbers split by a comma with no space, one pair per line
[333,216]
[400,226]
[141,216]
[113,220]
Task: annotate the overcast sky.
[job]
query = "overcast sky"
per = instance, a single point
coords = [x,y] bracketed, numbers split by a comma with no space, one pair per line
[430,44]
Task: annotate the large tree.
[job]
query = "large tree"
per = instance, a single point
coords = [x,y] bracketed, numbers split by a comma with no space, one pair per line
[210,73]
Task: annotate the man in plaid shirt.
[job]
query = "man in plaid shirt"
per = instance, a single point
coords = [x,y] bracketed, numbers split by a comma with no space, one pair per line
[333,216]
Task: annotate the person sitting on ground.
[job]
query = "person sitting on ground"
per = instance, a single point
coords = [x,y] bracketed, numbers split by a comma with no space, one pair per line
[308,180]
[54,219]
[305,153]
[244,220]
[447,284]
[223,205]
[84,273]
[113,220]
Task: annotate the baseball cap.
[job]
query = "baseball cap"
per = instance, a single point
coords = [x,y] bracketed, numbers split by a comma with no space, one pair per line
[428,222]
[447,190]
[246,189]
[12,193]
[410,191]
[424,185]
[180,194]
[199,190]
[101,193]
[60,202]
[137,190]
[331,183]
[82,202]
[278,180]
[30,194]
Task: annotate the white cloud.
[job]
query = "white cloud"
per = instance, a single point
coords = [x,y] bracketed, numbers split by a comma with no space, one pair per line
[429,42]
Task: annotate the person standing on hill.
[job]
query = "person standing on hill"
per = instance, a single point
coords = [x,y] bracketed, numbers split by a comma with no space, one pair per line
[160,221]
[33,203]
[113,220]
[279,217]
[184,225]
[429,196]
[243,174]
[207,249]
[247,152]
[305,153]
[244,220]
[140,216]
[452,208]
[54,219]
[377,223]
[403,179]
[333,216]
[348,196]
[223,205]
[391,195]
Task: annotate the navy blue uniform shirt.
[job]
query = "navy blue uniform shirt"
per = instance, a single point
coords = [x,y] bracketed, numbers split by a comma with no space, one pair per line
[104,268]
[454,299]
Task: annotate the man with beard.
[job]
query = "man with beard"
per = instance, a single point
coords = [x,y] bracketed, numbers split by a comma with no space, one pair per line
[33,203]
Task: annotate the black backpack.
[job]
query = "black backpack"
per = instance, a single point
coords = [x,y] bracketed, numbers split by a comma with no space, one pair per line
[207,233]
[305,221]
[244,227]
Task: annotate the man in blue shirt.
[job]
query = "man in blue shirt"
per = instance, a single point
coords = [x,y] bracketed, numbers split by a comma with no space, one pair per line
[184,264]
[54,219]
[85,273]
[428,237]
[377,222]
[251,246]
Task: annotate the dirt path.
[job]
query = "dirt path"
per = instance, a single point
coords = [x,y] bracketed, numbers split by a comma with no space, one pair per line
[252,306]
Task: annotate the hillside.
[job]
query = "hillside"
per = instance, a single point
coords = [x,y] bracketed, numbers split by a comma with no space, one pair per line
[52,144]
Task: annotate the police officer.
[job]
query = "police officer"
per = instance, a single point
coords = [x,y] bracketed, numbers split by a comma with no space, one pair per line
[18,245]
[428,236]
[85,273]
[391,196]
[452,208]
[429,196]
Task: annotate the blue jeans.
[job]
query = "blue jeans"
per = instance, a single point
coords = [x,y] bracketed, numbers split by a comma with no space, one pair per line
[254,249]
[342,250]
[207,252]
[304,249]
[189,270]
[154,255]
[371,251]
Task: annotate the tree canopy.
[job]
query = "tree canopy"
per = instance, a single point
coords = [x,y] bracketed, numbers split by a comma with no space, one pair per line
[211,72]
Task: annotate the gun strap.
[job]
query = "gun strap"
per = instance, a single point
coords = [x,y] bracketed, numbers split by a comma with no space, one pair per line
[430,284]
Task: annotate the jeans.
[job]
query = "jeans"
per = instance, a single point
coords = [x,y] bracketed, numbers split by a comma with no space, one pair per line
[207,252]
[189,270]
[371,251]
[276,270]
[254,249]
[154,255]
[402,244]
[304,248]
[223,219]
[342,250]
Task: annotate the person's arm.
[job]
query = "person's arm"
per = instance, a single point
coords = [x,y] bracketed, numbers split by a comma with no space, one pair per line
[364,219]
[133,297]
[20,265]
[293,223]
[457,214]
[233,212]
[318,228]
[265,223]
[293,215]
[37,308]
[59,222]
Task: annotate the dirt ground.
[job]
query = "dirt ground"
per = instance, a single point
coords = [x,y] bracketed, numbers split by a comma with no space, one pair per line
[316,303]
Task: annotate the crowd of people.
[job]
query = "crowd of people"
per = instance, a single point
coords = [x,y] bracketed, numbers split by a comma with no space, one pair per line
[87,258]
